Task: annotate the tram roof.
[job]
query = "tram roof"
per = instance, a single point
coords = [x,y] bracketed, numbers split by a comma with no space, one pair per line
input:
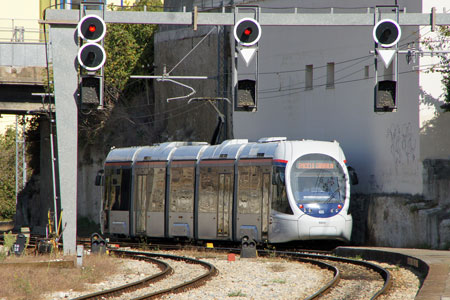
[259,150]
[229,149]
[189,152]
[166,151]
[122,154]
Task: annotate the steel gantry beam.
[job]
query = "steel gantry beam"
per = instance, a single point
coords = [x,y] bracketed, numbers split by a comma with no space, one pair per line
[64,45]
[294,18]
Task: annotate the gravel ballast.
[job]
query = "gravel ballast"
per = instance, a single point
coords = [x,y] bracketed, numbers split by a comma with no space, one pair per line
[255,278]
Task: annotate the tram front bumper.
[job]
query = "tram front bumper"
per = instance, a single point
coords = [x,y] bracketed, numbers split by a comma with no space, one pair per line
[334,228]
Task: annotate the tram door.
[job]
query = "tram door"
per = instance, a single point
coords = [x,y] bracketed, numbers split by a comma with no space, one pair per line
[215,201]
[253,202]
[117,201]
[265,211]
[156,193]
[181,199]
[224,205]
[149,199]
[140,201]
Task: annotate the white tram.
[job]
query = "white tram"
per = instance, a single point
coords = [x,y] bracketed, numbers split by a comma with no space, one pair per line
[272,190]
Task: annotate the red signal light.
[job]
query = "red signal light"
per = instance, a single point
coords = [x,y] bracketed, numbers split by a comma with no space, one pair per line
[92,28]
[247,32]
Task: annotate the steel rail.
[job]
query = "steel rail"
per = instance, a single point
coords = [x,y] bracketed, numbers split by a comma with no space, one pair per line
[385,274]
[329,284]
[196,282]
[166,270]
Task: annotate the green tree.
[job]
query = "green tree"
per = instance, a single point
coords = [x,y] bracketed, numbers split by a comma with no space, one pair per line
[7,174]
[440,43]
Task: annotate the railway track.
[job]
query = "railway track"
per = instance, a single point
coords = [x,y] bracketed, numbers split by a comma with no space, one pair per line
[127,290]
[355,279]
[352,279]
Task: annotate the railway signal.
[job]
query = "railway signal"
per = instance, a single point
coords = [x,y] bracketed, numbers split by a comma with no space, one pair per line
[91,28]
[247,33]
[91,57]
[386,33]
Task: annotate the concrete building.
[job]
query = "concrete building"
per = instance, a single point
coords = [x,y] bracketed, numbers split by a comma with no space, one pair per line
[318,83]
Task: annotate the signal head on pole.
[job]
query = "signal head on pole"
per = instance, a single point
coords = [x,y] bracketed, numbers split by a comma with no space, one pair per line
[386,33]
[91,56]
[247,32]
[91,28]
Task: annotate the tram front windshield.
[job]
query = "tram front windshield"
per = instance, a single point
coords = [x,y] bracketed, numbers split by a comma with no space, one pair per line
[317,178]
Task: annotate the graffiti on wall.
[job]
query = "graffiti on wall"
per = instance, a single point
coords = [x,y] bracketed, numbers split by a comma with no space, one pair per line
[403,143]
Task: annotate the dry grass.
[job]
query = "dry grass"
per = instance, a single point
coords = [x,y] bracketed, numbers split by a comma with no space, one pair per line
[31,283]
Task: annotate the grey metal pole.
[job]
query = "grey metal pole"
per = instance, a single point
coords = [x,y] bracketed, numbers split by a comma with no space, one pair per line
[24,161]
[17,158]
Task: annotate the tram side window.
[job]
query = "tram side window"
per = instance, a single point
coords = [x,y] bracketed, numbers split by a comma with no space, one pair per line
[208,189]
[182,189]
[120,189]
[156,189]
[249,189]
[280,201]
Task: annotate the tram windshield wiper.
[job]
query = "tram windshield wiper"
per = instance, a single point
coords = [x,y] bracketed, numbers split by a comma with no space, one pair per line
[332,196]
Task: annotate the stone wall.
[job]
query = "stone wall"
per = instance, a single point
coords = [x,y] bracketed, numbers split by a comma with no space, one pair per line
[402,220]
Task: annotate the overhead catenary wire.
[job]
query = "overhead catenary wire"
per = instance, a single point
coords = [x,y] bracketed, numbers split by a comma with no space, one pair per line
[192,50]
[173,116]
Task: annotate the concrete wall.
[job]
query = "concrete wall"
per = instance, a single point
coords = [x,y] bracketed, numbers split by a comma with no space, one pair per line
[196,120]
[89,195]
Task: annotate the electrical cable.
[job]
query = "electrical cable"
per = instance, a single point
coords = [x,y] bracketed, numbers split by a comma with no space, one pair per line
[51,120]
[303,89]
[174,115]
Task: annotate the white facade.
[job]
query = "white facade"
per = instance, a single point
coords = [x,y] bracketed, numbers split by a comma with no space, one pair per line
[435,141]
[384,148]
[387,149]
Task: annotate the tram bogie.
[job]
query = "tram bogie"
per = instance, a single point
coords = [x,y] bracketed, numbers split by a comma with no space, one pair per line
[272,190]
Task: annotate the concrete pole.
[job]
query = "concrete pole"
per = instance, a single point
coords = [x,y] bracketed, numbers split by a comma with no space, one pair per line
[64,50]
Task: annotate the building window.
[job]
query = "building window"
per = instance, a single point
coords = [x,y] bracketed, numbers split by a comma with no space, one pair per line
[309,77]
[366,72]
[330,75]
